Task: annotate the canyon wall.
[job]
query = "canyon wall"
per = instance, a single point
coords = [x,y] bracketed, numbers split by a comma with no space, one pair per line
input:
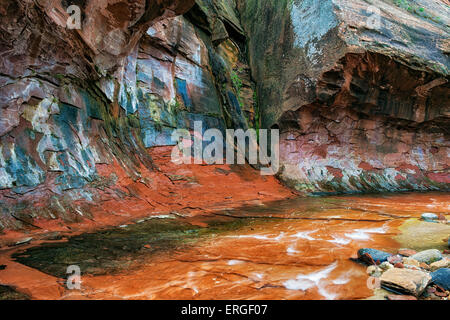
[74,102]
[362,104]
[359,90]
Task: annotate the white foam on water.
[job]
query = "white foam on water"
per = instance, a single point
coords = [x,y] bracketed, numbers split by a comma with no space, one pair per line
[305,282]
[279,237]
[259,276]
[235,262]
[305,235]
[343,279]
[327,295]
[338,240]
[363,234]
[291,250]
[259,237]
[357,235]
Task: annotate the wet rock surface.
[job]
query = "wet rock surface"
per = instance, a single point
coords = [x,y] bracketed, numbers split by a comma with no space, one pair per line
[77,104]
[428,256]
[86,123]
[355,103]
[370,256]
[405,281]
[281,252]
[441,277]
[8,293]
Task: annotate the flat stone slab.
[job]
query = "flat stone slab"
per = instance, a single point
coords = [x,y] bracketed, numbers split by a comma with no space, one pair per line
[406,281]
[420,235]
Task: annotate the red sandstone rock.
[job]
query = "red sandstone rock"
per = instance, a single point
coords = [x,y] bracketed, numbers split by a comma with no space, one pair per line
[407,252]
[400,297]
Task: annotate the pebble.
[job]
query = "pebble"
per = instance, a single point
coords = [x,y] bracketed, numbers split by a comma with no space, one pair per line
[395,259]
[425,266]
[386,266]
[411,262]
[407,252]
[444,263]
[374,271]
[23,241]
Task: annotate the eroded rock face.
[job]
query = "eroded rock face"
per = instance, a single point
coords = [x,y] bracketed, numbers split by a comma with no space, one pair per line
[359,109]
[360,93]
[74,102]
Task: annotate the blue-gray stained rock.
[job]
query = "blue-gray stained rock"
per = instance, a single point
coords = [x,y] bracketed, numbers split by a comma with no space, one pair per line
[428,256]
[376,255]
[430,217]
[441,277]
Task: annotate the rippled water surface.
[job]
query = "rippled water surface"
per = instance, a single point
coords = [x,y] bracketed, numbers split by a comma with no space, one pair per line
[293,249]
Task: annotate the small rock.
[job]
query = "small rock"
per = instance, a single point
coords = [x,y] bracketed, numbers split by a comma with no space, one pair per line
[147,246]
[411,262]
[374,271]
[425,266]
[376,255]
[395,259]
[442,294]
[23,241]
[441,277]
[399,265]
[442,217]
[430,217]
[431,289]
[444,263]
[428,256]
[396,297]
[407,252]
[386,266]
[405,281]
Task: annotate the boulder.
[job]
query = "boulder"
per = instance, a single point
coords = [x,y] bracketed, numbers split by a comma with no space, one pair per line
[441,277]
[428,256]
[405,281]
[376,255]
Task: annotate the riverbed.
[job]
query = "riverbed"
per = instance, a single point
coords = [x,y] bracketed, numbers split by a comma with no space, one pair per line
[290,249]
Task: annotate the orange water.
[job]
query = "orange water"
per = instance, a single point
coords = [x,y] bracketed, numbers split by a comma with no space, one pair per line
[294,249]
